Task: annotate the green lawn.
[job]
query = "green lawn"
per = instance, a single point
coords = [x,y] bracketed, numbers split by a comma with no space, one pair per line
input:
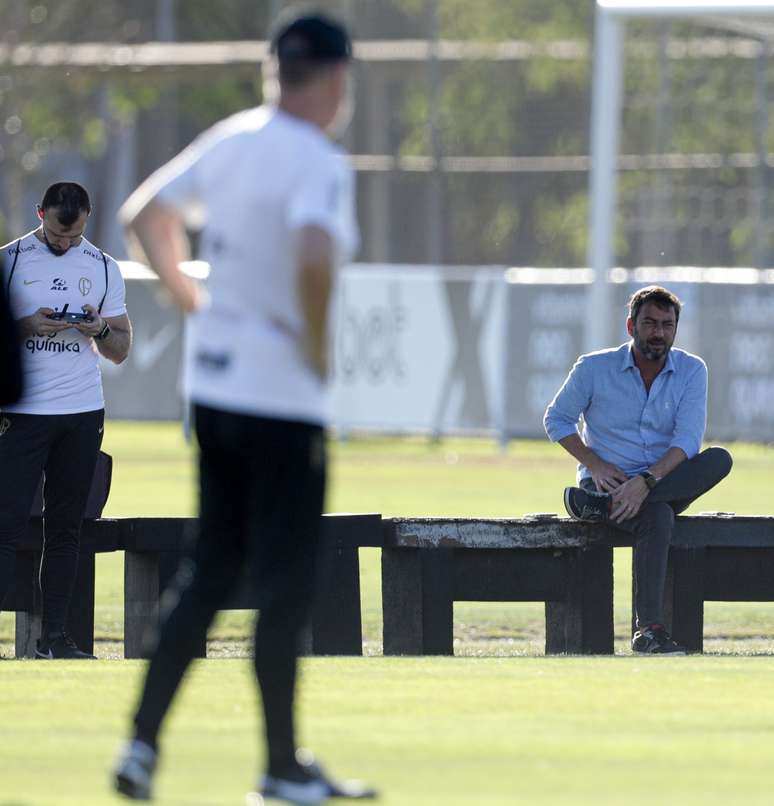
[154,475]
[493,731]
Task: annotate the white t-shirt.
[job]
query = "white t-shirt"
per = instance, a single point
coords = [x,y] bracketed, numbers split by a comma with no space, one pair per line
[251,182]
[61,372]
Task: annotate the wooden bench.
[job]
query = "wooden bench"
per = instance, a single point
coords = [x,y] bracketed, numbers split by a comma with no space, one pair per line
[716,557]
[155,546]
[153,549]
[429,563]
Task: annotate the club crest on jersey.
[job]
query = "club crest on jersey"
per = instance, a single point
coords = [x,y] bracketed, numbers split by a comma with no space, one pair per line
[84,285]
[59,284]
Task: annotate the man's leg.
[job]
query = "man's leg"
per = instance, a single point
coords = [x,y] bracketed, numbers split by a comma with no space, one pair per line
[692,478]
[652,531]
[69,474]
[288,474]
[202,584]
[286,504]
[24,441]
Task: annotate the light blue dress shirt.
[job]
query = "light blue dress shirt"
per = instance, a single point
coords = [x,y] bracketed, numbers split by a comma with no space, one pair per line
[623,423]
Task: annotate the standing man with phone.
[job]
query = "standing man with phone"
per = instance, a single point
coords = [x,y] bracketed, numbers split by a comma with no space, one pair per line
[67,298]
[276,201]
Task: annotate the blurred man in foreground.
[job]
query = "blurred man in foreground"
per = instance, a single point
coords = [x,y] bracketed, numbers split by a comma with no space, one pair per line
[276,201]
[644,409]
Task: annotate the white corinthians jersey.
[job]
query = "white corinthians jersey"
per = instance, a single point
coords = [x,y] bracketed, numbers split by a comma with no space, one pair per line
[61,372]
[251,182]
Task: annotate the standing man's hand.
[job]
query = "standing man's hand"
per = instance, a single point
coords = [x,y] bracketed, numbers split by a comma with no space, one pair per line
[38,324]
[92,326]
[606,476]
[628,498]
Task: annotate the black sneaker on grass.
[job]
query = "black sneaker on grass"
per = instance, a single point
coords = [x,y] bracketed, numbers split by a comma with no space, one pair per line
[655,640]
[59,646]
[307,785]
[584,505]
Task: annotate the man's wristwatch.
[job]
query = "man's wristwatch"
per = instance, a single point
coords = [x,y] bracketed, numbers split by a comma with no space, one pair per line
[650,479]
[104,333]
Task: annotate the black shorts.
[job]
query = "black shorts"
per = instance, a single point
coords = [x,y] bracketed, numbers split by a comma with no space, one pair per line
[261,490]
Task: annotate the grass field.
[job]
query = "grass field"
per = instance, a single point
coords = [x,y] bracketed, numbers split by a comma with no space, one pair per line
[428,732]
[506,727]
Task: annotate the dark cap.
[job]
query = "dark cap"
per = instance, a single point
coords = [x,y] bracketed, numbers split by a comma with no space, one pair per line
[311,37]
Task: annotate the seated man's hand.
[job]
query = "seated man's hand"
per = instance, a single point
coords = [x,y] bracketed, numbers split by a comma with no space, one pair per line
[606,476]
[628,498]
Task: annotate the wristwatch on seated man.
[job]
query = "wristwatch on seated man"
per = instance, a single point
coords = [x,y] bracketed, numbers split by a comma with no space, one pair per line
[650,479]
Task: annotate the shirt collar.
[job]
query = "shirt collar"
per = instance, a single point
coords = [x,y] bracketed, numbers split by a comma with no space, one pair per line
[628,361]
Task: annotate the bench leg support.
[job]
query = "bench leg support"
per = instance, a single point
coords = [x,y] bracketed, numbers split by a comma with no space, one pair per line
[582,623]
[336,621]
[685,597]
[417,604]
[146,575]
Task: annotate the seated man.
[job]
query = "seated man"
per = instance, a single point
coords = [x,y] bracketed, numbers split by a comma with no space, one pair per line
[644,412]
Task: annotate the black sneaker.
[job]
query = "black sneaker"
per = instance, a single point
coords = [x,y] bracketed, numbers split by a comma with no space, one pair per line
[655,640]
[350,789]
[308,785]
[133,776]
[59,646]
[587,506]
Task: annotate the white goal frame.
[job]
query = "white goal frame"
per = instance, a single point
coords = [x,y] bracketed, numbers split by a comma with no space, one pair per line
[606,103]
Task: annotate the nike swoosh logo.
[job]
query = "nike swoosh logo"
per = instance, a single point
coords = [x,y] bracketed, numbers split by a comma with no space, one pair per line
[45,656]
[30,282]
[148,349]
[100,429]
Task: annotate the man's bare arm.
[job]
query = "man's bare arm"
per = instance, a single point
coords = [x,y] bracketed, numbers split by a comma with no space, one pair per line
[115,347]
[157,236]
[315,281]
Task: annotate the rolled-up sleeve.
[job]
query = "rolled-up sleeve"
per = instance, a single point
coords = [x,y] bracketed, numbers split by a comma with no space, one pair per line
[691,417]
[564,411]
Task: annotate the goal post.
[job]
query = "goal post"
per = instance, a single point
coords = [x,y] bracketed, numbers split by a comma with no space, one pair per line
[606,119]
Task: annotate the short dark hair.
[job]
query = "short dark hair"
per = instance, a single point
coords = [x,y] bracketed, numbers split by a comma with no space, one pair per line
[658,296]
[306,44]
[70,199]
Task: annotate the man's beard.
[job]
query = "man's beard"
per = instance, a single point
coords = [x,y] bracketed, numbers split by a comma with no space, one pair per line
[654,350]
[53,249]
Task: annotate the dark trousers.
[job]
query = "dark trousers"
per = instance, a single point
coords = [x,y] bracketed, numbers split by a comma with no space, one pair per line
[652,526]
[261,487]
[65,447]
